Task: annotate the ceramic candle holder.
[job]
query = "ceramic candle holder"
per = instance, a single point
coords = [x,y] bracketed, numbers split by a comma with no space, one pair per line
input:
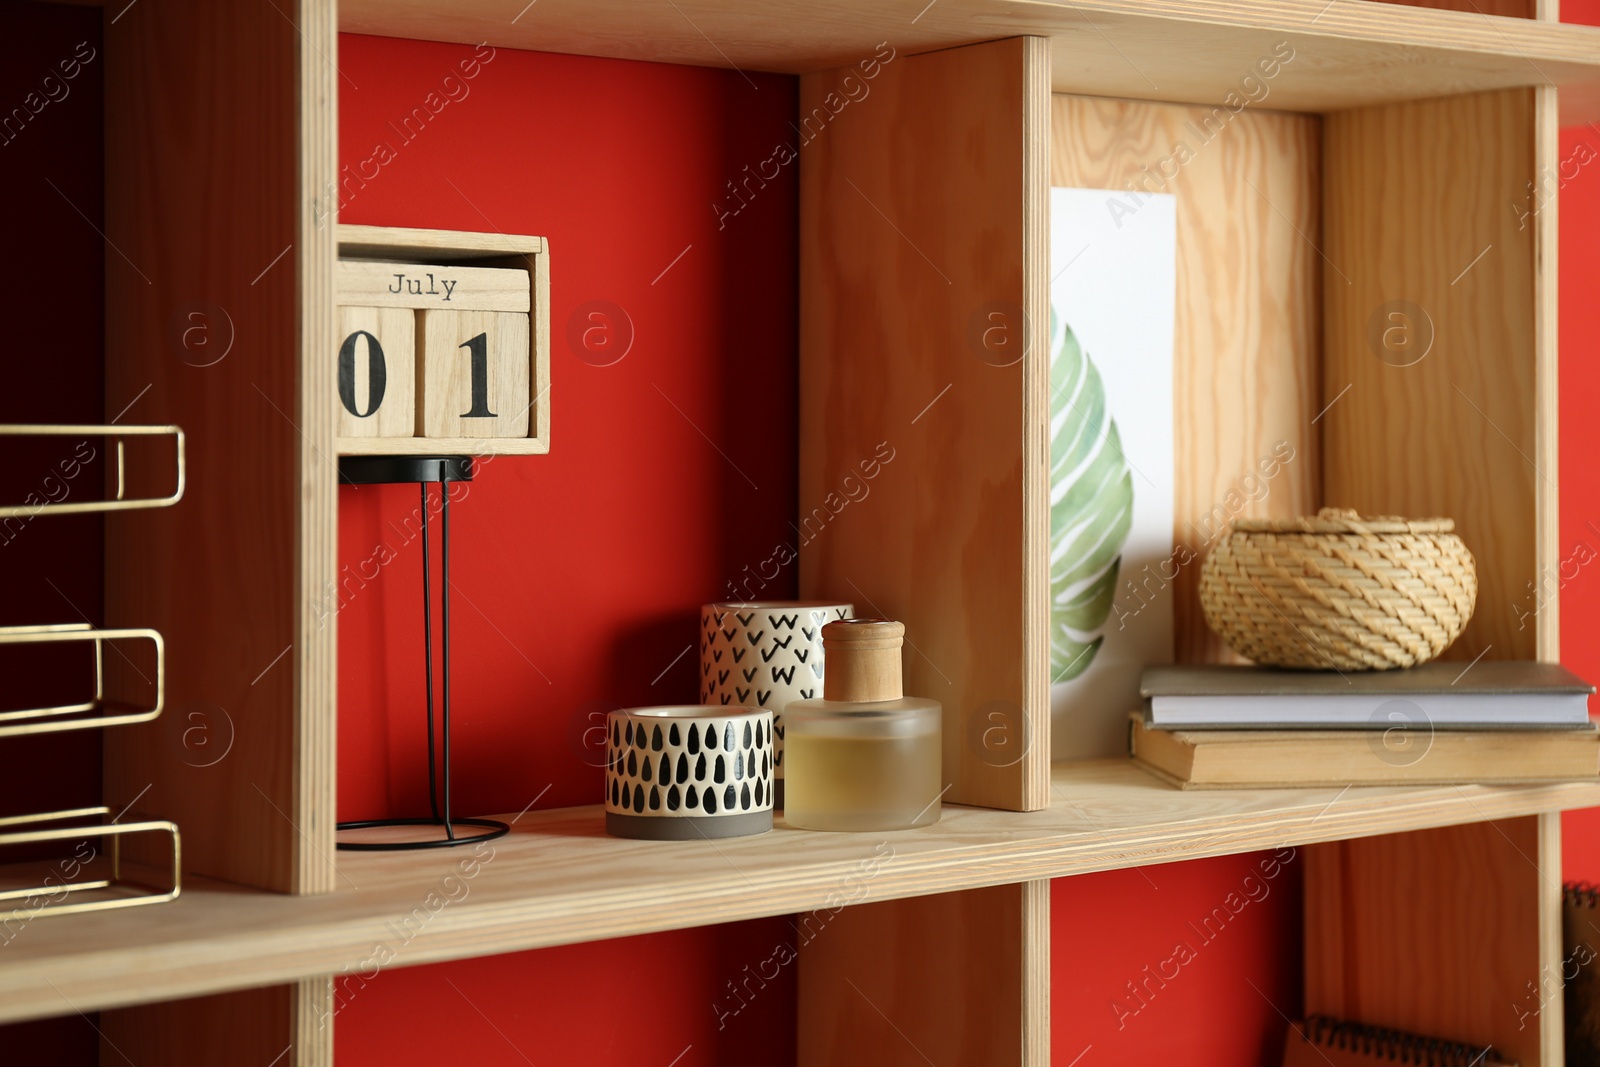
[688,773]
[765,653]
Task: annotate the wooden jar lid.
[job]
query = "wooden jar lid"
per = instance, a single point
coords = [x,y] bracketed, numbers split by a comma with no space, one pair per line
[863,660]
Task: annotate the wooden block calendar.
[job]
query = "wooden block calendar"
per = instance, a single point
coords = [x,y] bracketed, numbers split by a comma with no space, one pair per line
[443,342]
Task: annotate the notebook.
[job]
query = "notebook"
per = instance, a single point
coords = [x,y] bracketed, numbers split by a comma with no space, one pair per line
[1580,971]
[1321,1041]
[1486,694]
[1224,759]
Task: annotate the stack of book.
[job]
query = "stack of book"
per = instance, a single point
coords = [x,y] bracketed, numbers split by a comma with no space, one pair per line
[1441,723]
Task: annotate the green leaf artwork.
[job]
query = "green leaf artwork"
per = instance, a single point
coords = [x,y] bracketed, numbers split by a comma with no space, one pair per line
[1091,505]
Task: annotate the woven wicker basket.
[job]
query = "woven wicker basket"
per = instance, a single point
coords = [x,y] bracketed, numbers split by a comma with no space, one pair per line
[1339,591]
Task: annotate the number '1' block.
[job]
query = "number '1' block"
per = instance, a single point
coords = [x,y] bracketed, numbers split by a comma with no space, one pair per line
[376,371]
[473,377]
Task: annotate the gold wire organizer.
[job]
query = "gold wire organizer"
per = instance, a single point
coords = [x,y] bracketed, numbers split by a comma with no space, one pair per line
[118,502]
[94,881]
[60,890]
[89,714]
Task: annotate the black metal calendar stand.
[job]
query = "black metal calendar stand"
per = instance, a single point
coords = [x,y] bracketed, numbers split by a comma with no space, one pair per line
[425,471]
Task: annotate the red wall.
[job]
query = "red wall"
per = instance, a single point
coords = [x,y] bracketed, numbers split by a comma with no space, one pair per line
[577,576]
[1579,579]
[1193,963]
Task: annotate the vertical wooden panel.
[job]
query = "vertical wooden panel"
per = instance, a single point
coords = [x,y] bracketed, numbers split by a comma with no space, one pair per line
[315,737]
[1428,231]
[1546,226]
[276,1026]
[1034,937]
[923,214]
[1247,336]
[952,978]
[1552,1016]
[219,124]
[1440,932]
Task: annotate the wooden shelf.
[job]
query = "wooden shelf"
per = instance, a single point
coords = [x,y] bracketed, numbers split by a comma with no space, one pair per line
[559,879]
[1350,53]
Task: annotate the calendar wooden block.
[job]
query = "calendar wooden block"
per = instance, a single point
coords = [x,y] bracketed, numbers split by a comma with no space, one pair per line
[375,361]
[451,275]
[448,287]
[474,375]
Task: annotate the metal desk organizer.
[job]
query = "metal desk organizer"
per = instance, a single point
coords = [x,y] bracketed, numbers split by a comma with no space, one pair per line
[105,884]
[425,471]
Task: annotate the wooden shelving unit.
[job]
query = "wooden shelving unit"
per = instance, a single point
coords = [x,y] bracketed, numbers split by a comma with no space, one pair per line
[1392,144]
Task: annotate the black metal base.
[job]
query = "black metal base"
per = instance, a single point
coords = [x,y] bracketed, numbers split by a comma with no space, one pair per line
[391,470]
[495,828]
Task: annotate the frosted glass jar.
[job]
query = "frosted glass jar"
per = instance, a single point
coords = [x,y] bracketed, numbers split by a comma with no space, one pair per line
[863,766]
[865,757]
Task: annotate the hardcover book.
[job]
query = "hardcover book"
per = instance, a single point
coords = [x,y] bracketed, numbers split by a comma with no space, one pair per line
[1485,695]
[1223,759]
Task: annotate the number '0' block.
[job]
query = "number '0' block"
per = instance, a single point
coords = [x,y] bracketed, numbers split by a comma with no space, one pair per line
[376,360]
[474,376]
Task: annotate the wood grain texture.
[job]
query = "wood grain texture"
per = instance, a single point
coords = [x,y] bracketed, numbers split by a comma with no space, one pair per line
[923,208]
[1547,373]
[231,574]
[435,446]
[1438,932]
[539,325]
[1035,937]
[951,978]
[558,879]
[1352,53]
[1552,947]
[314,1013]
[316,640]
[1247,337]
[444,246]
[270,1027]
[1036,754]
[1425,203]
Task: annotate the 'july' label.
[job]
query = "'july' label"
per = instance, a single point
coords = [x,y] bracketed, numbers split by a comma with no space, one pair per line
[375,283]
[426,285]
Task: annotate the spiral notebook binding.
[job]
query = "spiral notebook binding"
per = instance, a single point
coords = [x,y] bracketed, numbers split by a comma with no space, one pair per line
[1396,1046]
[1581,894]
